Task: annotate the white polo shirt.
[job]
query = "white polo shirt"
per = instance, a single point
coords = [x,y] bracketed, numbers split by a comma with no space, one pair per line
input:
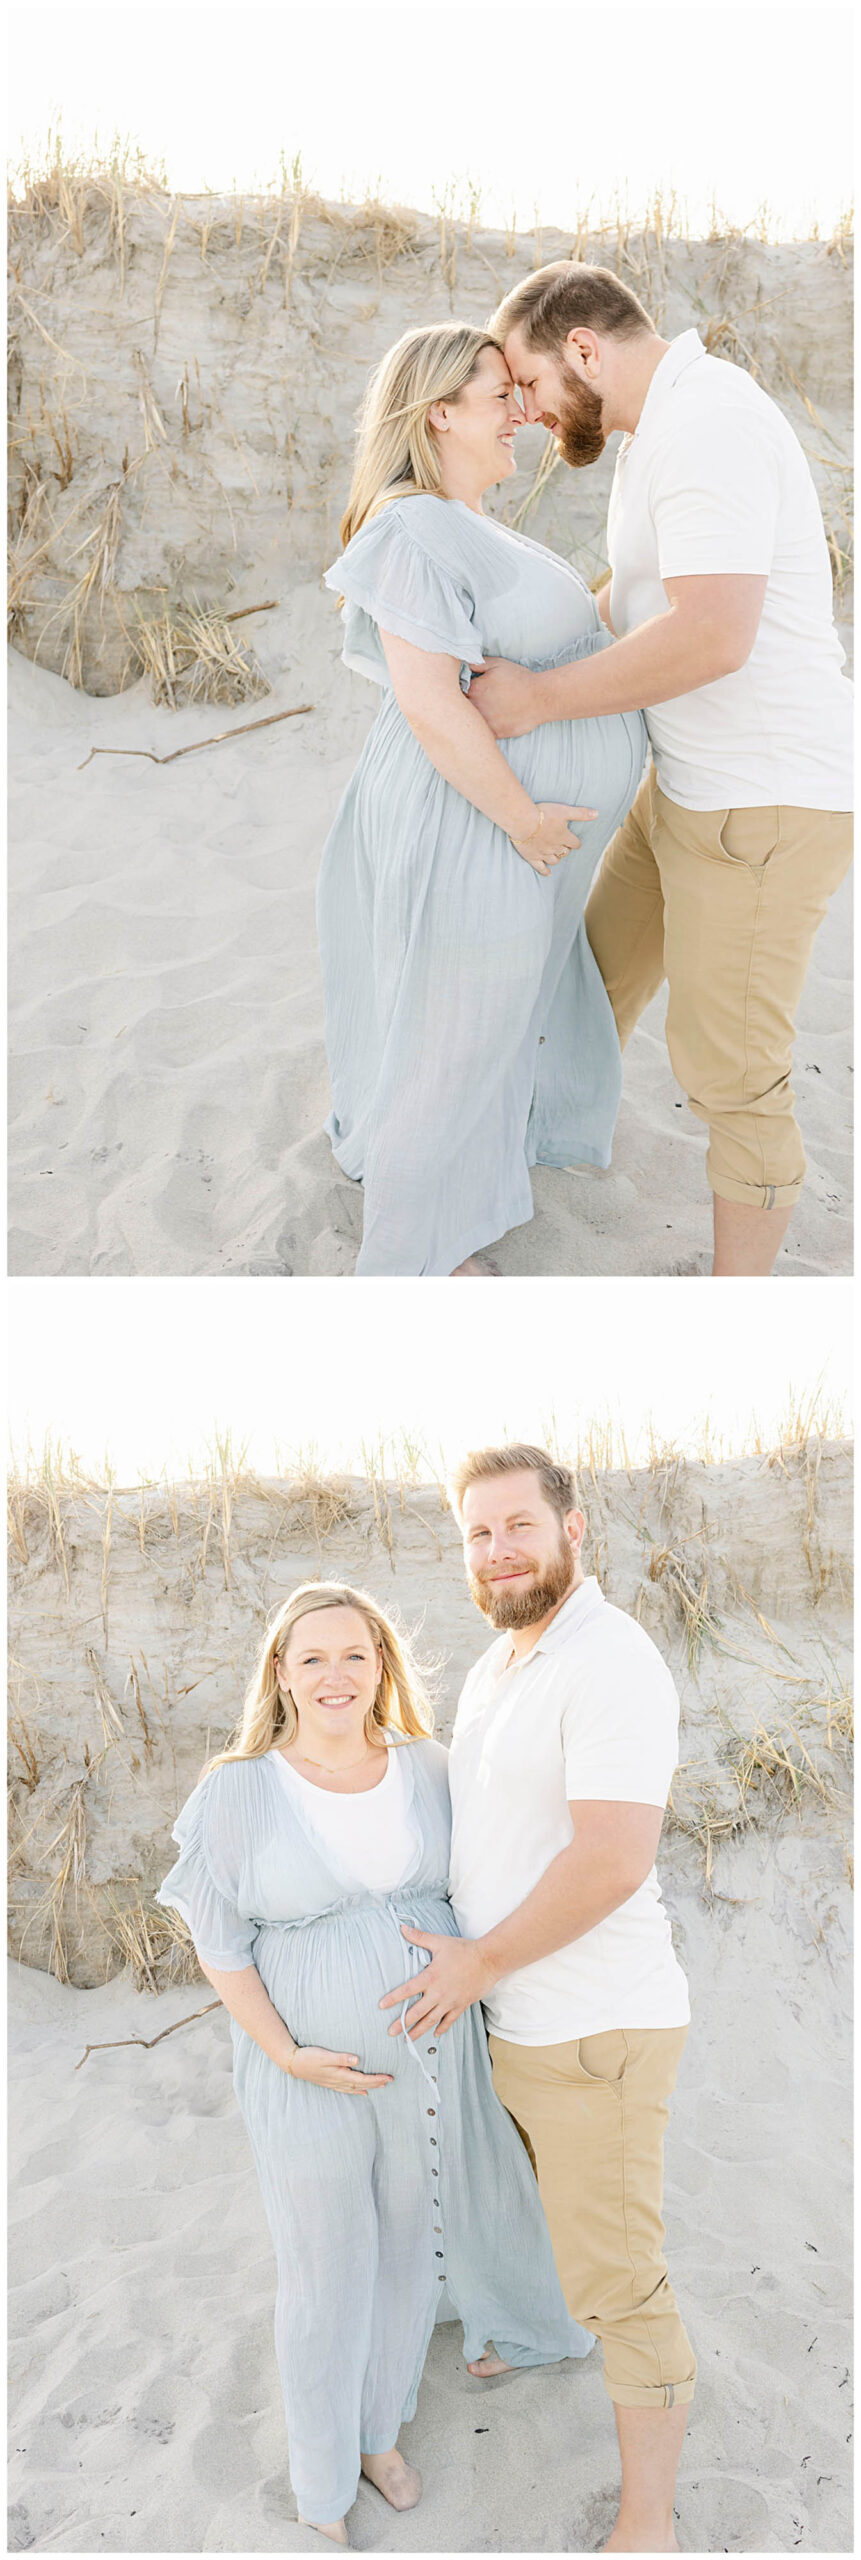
[714,480]
[591,1711]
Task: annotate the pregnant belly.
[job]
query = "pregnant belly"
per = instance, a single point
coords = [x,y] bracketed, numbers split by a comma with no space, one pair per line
[327,1978]
[593,764]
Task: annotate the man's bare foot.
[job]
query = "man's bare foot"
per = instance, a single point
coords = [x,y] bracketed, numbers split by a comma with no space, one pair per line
[396,2479]
[487,2365]
[472,1269]
[333,2532]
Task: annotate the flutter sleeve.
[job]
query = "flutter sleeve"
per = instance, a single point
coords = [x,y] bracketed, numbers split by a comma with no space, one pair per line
[391,581]
[203,1885]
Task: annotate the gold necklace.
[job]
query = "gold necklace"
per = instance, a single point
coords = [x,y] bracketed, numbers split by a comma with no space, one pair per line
[345,1764]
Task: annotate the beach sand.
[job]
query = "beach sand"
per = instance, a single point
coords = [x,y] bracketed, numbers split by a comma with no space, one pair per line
[168,1085]
[147,2407]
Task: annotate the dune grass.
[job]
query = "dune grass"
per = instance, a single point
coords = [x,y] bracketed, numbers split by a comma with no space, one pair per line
[190,653]
[767,1774]
[305,1484]
[405,1457]
[55,181]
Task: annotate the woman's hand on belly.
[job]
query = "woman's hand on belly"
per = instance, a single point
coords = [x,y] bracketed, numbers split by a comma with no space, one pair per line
[549,842]
[334,2071]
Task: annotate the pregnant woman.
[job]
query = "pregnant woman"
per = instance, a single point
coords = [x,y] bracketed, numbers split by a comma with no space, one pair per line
[468,1029]
[397,2188]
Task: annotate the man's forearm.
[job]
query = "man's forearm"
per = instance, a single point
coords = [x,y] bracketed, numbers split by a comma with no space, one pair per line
[579,1888]
[662,659]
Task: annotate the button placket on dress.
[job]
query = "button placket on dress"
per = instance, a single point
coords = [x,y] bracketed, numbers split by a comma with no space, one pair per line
[439,2238]
[418,1957]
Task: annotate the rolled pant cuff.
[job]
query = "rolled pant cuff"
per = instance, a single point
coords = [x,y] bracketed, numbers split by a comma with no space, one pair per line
[655,2395]
[756,1195]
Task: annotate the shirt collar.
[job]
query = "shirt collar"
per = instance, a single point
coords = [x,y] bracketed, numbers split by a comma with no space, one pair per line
[582,1605]
[681,352]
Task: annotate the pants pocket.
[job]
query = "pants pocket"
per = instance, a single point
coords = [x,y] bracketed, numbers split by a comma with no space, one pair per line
[604,2058]
[750,836]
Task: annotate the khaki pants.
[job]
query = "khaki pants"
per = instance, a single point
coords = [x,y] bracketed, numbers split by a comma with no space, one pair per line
[592,2115]
[724,903]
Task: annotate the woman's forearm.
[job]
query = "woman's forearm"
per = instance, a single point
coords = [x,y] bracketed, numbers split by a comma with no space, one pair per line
[247,1999]
[459,743]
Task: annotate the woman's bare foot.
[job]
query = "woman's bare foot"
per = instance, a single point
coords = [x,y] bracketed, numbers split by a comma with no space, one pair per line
[489,2364]
[472,1269]
[395,2478]
[333,2532]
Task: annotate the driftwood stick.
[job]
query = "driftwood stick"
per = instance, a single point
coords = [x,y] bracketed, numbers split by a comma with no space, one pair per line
[195,748]
[243,609]
[148,2041]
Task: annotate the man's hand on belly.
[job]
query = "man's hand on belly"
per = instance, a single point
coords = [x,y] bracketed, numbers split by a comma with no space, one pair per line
[509,698]
[708,632]
[457,1975]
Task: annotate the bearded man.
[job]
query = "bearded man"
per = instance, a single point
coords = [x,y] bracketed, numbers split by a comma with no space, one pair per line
[563,1752]
[720,608]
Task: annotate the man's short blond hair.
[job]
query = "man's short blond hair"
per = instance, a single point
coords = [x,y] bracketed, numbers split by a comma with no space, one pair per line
[558,1482]
[569,295]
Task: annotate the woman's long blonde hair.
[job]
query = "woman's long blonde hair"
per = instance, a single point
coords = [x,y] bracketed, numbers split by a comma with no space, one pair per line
[268,1715]
[396,452]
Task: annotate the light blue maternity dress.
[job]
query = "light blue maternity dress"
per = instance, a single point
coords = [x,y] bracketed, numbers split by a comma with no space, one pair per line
[468,1030]
[389,2211]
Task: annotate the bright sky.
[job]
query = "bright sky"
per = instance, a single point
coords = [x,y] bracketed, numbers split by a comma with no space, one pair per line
[545,107]
[148,1370]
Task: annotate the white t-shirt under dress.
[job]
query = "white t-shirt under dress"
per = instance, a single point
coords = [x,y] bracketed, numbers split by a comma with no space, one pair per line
[369,1830]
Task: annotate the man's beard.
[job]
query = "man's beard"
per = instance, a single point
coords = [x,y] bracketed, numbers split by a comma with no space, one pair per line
[514,1608]
[580,434]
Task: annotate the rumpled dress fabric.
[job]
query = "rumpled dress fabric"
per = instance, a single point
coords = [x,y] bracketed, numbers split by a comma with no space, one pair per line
[468,1030]
[387,2212]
